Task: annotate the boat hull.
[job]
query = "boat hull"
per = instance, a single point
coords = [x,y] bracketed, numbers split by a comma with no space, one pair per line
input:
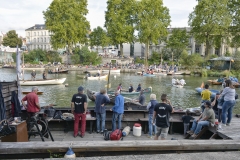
[59,72]
[146,90]
[97,77]
[43,82]
[149,75]
[199,90]
[113,70]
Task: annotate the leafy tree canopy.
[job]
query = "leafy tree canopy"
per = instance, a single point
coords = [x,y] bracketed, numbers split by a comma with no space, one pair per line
[41,55]
[12,40]
[66,19]
[85,56]
[210,20]
[99,37]
[191,61]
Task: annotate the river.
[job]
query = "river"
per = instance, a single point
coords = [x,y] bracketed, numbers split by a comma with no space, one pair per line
[60,95]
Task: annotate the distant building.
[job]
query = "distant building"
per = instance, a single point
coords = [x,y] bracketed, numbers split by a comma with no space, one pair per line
[38,36]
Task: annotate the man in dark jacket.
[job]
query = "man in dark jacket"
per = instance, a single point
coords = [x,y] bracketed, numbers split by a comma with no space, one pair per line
[150,108]
[100,109]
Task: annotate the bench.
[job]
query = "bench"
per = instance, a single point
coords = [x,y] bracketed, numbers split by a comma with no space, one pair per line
[67,126]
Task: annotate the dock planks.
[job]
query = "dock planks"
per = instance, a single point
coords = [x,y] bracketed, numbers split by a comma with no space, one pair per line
[232,131]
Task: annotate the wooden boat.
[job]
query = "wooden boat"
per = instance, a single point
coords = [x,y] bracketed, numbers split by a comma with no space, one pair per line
[97,77]
[149,75]
[236,84]
[113,70]
[58,72]
[42,82]
[175,73]
[160,73]
[7,66]
[26,92]
[213,91]
[177,85]
[90,95]
[214,82]
[146,90]
[40,68]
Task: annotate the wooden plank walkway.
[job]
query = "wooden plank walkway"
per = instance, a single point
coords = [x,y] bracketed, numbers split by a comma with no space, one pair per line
[231,132]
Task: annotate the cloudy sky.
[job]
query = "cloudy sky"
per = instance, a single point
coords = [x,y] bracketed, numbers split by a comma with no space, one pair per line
[22,14]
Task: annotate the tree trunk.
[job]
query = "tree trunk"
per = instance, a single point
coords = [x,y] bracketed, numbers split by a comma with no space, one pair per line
[207,46]
[121,49]
[146,53]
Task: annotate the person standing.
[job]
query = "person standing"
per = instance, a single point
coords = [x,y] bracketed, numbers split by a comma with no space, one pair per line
[100,109]
[33,75]
[229,94]
[118,110]
[150,108]
[79,108]
[186,121]
[161,117]
[206,95]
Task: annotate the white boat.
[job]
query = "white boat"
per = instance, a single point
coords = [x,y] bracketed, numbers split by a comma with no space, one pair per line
[97,77]
[42,82]
[160,73]
[113,70]
[177,85]
[42,68]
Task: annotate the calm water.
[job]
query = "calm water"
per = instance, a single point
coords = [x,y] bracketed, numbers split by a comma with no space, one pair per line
[59,94]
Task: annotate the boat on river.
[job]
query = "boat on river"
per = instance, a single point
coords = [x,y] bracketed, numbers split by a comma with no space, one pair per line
[214,82]
[58,72]
[149,75]
[146,90]
[26,92]
[96,77]
[113,70]
[213,91]
[42,82]
[8,66]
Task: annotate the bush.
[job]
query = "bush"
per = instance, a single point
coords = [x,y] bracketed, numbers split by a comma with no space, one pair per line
[204,73]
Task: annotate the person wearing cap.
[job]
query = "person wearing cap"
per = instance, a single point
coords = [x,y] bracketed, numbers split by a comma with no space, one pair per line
[205,119]
[118,110]
[79,109]
[32,105]
[33,75]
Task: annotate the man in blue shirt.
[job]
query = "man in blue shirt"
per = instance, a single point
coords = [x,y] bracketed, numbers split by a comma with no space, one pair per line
[118,110]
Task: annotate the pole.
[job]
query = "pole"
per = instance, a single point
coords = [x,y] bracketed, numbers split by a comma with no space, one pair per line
[108,78]
[229,68]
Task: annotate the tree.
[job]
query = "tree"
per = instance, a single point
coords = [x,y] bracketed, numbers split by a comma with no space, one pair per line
[177,42]
[152,22]
[98,37]
[191,61]
[119,20]
[41,55]
[86,57]
[210,20]
[66,19]
[12,39]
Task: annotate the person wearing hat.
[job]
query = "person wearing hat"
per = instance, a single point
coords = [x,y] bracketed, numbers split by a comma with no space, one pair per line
[79,109]
[33,75]
[205,119]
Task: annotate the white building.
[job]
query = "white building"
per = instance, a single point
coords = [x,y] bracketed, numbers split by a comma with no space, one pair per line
[38,37]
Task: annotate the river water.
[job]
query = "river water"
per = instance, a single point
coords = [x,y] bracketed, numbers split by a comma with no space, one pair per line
[60,95]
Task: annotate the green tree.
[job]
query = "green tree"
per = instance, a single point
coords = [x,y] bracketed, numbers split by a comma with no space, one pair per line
[177,42]
[119,20]
[85,56]
[155,58]
[210,20]
[98,37]
[191,61]
[153,20]
[236,63]
[12,39]
[35,56]
[66,20]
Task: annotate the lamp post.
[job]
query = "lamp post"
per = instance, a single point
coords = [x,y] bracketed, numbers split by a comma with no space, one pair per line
[231,61]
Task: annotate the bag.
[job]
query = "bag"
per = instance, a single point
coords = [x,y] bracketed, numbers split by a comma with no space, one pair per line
[50,111]
[106,135]
[6,129]
[57,115]
[236,96]
[116,135]
[220,100]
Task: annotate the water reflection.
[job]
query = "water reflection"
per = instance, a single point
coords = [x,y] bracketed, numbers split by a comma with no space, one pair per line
[59,94]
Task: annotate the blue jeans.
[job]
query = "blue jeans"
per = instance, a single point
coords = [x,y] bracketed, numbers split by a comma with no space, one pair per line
[100,117]
[151,127]
[114,119]
[227,108]
[197,126]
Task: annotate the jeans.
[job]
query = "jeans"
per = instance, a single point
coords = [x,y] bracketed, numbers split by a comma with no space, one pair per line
[186,127]
[227,108]
[197,126]
[202,105]
[101,117]
[79,117]
[151,127]
[219,115]
[114,119]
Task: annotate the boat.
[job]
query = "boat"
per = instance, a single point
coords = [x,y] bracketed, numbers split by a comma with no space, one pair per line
[7,66]
[214,82]
[160,73]
[177,85]
[96,77]
[146,90]
[213,91]
[39,68]
[26,92]
[175,73]
[42,82]
[90,95]
[149,75]
[113,70]
[58,72]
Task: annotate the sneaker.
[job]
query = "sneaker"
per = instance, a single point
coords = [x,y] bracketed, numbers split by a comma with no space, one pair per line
[194,135]
[219,127]
[190,132]
[98,131]
[149,136]
[75,136]
[228,124]
[101,132]
[224,125]
[81,136]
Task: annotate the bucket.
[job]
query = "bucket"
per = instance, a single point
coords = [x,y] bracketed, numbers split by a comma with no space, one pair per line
[70,154]
[137,130]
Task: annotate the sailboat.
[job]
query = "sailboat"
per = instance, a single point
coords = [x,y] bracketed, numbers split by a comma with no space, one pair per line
[39,82]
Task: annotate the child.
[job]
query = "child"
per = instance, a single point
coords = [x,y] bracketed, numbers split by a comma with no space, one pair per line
[186,121]
[206,95]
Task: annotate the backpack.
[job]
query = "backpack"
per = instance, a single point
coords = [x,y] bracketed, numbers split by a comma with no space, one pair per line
[106,135]
[116,135]
[57,115]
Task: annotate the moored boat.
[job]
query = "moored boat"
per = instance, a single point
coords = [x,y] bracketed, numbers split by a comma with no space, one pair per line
[113,70]
[58,72]
[149,75]
[146,90]
[214,82]
[7,66]
[96,77]
[42,82]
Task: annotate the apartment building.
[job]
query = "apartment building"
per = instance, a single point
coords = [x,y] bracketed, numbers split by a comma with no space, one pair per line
[38,36]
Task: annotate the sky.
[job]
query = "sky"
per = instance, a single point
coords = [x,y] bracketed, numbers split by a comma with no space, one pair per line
[22,14]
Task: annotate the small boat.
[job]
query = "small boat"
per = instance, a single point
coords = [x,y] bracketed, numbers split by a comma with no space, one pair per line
[58,72]
[26,92]
[97,77]
[7,66]
[213,91]
[214,82]
[175,73]
[42,82]
[113,70]
[149,75]
[177,85]
[146,90]
[160,73]
[36,68]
